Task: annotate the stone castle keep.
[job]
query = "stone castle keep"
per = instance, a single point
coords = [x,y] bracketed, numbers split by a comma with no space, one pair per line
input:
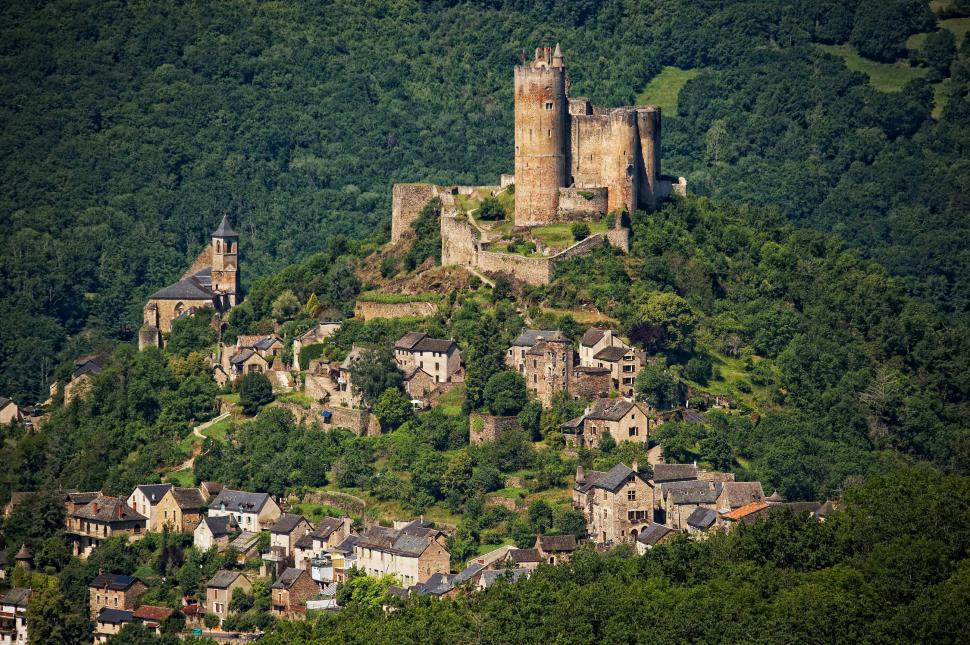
[573,162]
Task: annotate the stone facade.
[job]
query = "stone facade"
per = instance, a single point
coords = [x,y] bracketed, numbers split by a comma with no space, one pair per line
[369,310]
[292,590]
[488,427]
[218,592]
[409,551]
[407,200]
[617,504]
[114,592]
[577,204]
[549,367]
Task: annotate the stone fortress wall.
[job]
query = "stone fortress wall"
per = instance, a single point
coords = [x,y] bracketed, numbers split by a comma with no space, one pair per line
[365,310]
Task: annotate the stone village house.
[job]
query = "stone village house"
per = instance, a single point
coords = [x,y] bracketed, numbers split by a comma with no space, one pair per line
[181,509]
[219,589]
[214,532]
[251,511]
[622,419]
[288,595]
[108,591]
[103,517]
[409,551]
[617,504]
[440,359]
[145,498]
[285,534]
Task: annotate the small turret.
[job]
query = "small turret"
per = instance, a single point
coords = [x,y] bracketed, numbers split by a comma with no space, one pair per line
[24,558]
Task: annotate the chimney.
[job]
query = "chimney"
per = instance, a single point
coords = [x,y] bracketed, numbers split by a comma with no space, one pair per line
[580,476]
[94,507]
[635,466]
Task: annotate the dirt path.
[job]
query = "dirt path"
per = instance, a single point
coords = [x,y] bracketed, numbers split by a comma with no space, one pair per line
[197,431]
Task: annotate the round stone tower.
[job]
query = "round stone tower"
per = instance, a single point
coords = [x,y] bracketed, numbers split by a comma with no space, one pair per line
[540,137]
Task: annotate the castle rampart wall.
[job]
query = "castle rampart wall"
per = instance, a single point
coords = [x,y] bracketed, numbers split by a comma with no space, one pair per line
[369,310]
[530,270]
[407,200]
[574,206]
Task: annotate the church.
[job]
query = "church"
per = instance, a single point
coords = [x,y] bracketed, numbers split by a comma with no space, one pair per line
[211,282]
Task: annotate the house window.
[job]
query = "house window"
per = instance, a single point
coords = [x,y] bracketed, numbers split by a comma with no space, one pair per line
[631,496]
[634,432]
[548,105]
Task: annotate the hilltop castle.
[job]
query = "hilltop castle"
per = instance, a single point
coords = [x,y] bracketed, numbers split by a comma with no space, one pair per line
[212,281]
[573,162]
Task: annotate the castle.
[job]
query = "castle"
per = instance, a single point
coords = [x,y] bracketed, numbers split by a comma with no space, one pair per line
[573,162]
[212,281]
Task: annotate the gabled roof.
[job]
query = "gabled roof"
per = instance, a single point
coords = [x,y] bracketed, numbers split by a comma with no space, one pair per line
[4,401]
[610,409]
[673,472]
[611,480]
[244,541]
[468,573]
[239,501]
[347,546]
[189,499]
[155,492]
[437,585]
[18,596]
[224,229]
[114,616]
[223,579]
[286,523]
[113,582]
[557,543]
[611,354]
[326,527]
[738,494]
[410,540]
[701,518]
[266,342]
[592,336]
[286,580]
[743,511]
[108,510]
[691,492]
[244,355]
[191,288]
[652,534]
[220,526]
[524,555]
[409,340]
[529,337]
[86,367]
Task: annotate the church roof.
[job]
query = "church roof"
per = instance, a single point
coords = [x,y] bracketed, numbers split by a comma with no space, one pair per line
[224,229]
[190,288]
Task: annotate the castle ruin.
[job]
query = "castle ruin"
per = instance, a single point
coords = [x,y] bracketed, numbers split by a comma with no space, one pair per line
[573,162]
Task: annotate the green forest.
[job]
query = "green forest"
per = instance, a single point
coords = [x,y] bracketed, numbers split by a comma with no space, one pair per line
[130,128]
[817,275]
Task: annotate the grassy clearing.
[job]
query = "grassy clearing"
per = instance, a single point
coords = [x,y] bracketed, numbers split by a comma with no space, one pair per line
[885,77]
[583,317]
[451,401]
[182,478]
[664,88]
[561,235]
[297,398]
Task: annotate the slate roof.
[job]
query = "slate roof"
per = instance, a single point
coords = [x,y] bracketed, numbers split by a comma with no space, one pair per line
[220,526]
[592,336]
[673,472]
[79,498]
[155,492]
[266,342]
[701,518]
[189,499]
[224,229]
[437,585]
[152,613]
[611,354]
[529,337]
[4,401]
[524,555]
[18,596]
[609,409]
[244,541]
[86,367]
[468,573]
[223,579]
[409,541]
[114,616]
[287,578]
[351,357]
[740,493]
[489,578]
[286,523]
[109,509]
[691,492]
[611,480]
[557,543]
[347,546]
[305,541]
[409,340]
[574,423]
[242,356]
[191,288]
[239,501]
[326,527]
[651,535]
[113,582]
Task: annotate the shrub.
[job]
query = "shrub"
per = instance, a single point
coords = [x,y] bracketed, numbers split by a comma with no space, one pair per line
[580,231]
[255,391]
[491,209]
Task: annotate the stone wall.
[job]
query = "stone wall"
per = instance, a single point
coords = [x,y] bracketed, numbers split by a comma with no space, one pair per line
[504,502]
[203,260]
[487,427]
[369,310]
[166,310]
[529,270]
[590,384]
[317,387]
[360,422]
[407,200]
[575,206]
